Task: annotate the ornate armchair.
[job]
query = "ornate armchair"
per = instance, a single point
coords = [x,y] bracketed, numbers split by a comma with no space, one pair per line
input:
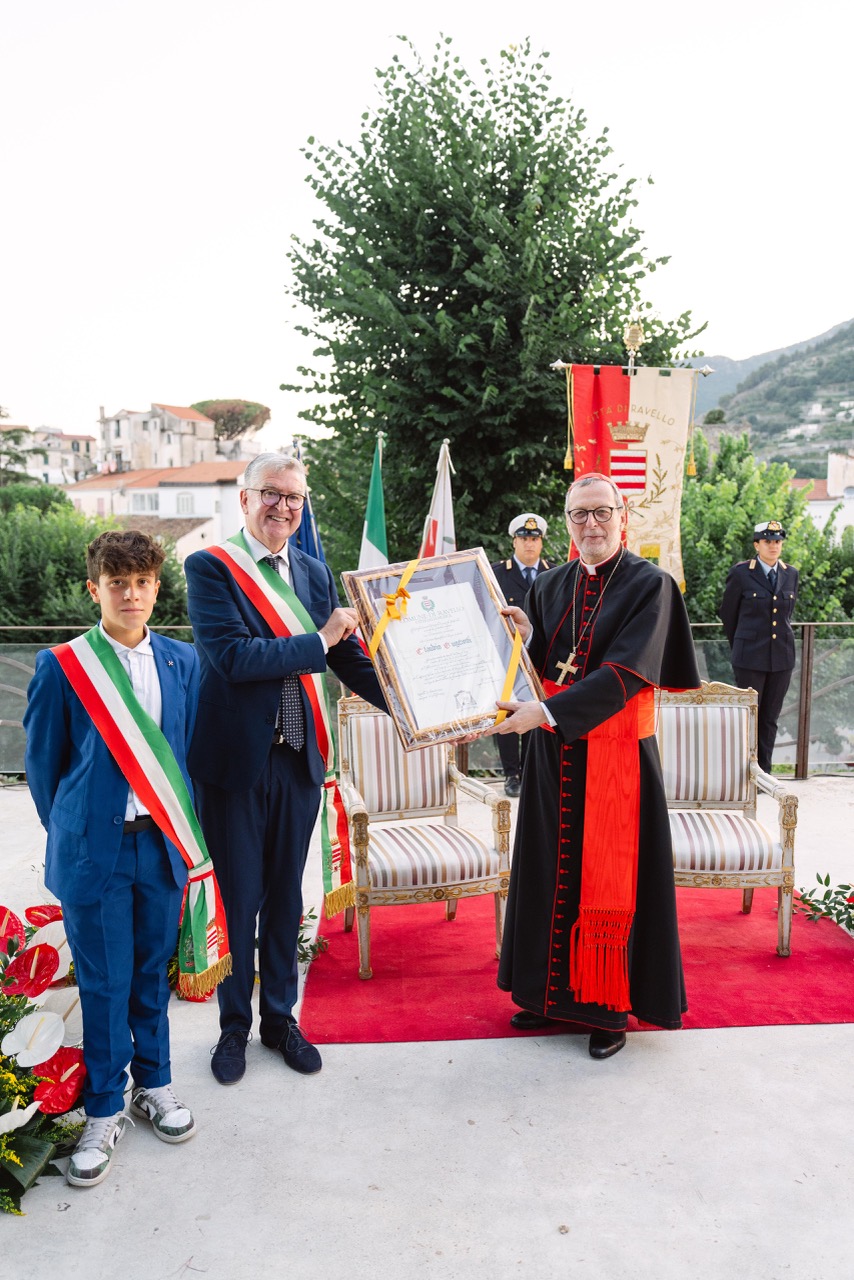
[405,837]
[707,741]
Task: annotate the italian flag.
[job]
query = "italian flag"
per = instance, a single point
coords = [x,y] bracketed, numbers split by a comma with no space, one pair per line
[439,537]
[374,550]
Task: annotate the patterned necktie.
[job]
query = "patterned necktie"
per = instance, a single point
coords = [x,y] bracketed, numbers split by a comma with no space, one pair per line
[290,721]
[772,579]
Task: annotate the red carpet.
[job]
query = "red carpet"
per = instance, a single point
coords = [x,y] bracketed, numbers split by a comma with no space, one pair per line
[436,981]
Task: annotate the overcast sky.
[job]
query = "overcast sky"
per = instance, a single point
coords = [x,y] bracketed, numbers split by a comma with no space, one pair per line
[151,174]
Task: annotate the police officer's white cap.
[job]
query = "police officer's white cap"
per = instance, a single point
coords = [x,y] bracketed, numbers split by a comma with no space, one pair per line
[528,525]
[768,531]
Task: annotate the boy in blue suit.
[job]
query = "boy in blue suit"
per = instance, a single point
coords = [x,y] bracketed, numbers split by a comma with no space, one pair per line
[120,882]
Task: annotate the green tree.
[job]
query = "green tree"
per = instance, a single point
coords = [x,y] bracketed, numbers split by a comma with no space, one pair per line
[44,497]
[14,456]
[234,418]
[43,572]
[471,237]
[714,417]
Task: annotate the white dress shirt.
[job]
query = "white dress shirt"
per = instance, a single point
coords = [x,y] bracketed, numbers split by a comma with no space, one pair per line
[140,665]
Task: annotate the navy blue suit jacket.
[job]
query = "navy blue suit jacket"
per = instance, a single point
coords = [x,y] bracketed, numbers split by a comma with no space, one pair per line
[757,620]
[242,665]
[79,791]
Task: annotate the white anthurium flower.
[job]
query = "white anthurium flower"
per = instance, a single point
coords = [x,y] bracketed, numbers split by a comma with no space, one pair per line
[66,1002]
[17,1117]
[53,935]
[35,1038]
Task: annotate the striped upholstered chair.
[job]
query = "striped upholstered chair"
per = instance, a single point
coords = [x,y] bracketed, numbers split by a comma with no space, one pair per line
[707,741]
[405,838]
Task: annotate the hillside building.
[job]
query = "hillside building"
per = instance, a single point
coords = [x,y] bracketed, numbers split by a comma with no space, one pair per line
[163,436]
[197,506]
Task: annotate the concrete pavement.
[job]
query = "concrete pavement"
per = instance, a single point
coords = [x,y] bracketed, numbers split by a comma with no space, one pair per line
[698,1154]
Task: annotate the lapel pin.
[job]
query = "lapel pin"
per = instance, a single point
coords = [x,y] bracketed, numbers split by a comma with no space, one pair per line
[169,662]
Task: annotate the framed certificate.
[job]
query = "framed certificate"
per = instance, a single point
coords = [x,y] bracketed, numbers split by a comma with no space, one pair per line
[443,662]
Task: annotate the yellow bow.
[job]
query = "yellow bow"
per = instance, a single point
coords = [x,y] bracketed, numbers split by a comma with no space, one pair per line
[395,607]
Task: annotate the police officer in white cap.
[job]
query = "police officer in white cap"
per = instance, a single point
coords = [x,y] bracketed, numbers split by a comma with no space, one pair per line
[515,577]
[756,610]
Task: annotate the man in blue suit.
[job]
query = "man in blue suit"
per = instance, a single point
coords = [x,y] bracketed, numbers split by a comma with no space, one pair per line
[254,756]
[120,882]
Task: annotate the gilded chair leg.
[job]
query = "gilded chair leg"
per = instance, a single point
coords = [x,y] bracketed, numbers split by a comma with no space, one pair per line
[784,921]
[364,922]
[500,907]
[451,909]
[747,901]
[349,914]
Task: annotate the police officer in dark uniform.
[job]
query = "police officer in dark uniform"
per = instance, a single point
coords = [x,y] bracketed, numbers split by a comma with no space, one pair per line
[515,577]
[759,600]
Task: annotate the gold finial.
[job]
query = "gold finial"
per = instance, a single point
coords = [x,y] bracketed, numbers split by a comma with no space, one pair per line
[633,340]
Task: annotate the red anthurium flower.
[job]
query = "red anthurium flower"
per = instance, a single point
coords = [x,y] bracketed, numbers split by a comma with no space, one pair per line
[31,972]
[44,913]
[10,927]
[62,1081]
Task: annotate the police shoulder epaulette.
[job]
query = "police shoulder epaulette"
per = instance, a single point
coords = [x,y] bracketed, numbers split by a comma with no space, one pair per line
[544,564]
[782,564]
[508,564]
[752,564]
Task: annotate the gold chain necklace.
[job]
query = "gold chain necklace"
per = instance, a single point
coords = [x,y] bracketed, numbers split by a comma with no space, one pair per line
[570,667]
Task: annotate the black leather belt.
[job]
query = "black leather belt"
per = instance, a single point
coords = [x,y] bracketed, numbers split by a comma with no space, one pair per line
[143,823]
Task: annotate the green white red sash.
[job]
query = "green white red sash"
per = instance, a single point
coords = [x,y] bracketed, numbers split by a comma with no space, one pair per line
[285,615]
[148,763]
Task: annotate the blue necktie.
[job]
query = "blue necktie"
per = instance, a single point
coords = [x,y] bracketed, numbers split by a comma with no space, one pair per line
[772,579]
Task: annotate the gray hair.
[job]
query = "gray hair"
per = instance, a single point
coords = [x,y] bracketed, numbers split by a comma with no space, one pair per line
[259,468]
[596,477]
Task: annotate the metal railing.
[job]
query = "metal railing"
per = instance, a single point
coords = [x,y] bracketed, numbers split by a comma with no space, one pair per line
[816,731]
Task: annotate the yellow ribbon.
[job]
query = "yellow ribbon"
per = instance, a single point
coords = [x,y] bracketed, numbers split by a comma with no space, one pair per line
[395,607]
[510,678]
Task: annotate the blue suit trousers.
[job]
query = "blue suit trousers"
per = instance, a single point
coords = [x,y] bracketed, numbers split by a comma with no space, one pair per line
[121,945]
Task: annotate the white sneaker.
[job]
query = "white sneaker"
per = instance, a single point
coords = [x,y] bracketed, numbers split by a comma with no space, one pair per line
[90,1160]
[172,1121]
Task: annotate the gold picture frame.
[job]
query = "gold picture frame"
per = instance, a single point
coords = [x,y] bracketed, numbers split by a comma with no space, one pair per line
[442,663]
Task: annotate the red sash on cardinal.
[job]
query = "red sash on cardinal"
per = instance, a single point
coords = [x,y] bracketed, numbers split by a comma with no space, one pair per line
[599,942]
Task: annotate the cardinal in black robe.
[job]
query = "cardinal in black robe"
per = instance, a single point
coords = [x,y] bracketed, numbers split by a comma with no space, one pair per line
[602,634]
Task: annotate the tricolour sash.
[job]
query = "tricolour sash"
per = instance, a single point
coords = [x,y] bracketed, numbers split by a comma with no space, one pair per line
[148,763]
[599,940]
[285,615]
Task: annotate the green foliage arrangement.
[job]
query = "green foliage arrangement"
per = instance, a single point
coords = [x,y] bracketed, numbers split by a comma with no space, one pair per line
[44,497]
[475,233]
[835,904]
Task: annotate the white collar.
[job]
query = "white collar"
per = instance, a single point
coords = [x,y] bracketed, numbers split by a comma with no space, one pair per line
[259,551]
[144,645]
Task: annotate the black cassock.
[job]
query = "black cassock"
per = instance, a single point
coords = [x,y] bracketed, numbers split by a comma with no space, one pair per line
[630,631]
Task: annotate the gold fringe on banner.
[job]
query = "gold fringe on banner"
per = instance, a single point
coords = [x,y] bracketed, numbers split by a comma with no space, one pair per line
[691,469]
[567,462]
[339,899]
[202,984]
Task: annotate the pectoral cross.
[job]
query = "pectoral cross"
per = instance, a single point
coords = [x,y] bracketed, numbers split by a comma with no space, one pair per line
[566,669]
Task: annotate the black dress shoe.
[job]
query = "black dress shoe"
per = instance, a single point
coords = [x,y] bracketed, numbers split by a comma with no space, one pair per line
[524,1020]
[295,1049]
[228,1056]
[512,785]
[604,1044]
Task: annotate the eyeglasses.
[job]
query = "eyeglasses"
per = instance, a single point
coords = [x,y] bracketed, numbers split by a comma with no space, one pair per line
[272,498]
[601,515]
